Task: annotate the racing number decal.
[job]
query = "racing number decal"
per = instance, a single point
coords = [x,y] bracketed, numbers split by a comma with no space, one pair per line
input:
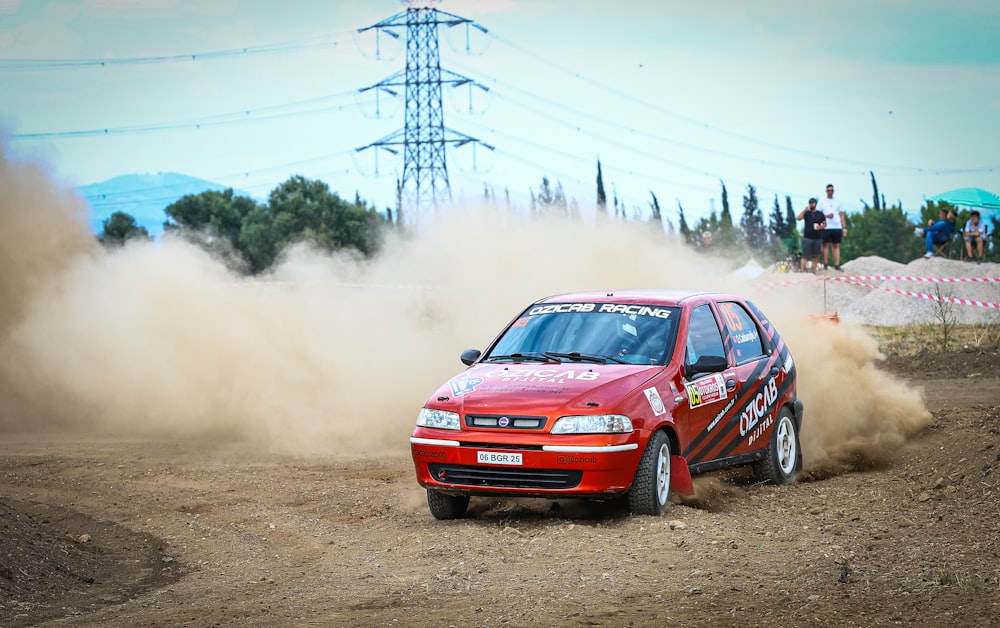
[733,322]
[694,395]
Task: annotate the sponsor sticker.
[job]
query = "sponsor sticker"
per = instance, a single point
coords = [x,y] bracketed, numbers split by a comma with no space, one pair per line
[424,453]
[759,408]
[575,459]
[706,390]
[722,413]
[760,429]
[533,375]
[746,336]
[655,403]
[463,385]
[611,308]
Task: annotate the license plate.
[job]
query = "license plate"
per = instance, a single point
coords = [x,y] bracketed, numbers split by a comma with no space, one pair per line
[498,457]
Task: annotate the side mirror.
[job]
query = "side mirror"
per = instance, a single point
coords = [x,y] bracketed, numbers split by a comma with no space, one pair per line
[708,364]
[470,355]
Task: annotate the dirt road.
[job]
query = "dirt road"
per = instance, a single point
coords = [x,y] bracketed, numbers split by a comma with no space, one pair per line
[145,533]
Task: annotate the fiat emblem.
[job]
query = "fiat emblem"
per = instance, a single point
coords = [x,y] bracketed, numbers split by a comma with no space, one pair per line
[503,422]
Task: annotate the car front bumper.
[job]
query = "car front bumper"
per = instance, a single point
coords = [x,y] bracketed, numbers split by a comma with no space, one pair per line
[579,465]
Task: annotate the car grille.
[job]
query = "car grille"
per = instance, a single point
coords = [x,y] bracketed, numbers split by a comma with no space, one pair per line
[505,421]
[505,478]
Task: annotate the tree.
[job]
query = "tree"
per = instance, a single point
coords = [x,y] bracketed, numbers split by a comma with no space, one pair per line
[307,210]
[752,223]
[726,236]
[212,220]
[256,240]
[682,225]
[883,232]
[875,203]
[792,239]
[119,228]
[214,214]
[298,210]
[778,228]
[654,206]
[549,197]
[602,198]
[790,218]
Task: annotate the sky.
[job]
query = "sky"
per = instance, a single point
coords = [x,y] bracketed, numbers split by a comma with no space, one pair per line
[674,98]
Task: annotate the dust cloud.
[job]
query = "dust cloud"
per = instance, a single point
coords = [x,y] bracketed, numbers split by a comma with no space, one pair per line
[856,414]
[330,354]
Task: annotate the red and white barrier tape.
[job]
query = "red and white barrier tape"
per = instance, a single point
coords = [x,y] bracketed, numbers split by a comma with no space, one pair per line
[858,280]
[852,278]
[932,297]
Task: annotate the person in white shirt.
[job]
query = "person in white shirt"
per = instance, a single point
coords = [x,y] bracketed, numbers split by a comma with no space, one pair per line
[974,234]
[836,227]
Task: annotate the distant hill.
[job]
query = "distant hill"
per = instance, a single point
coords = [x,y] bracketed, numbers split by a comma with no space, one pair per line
[142,196]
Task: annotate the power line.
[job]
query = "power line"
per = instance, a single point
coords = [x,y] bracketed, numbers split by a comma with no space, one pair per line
[33,64]
[260,114]
[734,134]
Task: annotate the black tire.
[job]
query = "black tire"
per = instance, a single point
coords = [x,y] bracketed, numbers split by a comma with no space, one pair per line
[651,487]
[784,456]
[444,506]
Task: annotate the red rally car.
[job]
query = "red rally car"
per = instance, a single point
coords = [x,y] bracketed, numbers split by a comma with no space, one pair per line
[612,394]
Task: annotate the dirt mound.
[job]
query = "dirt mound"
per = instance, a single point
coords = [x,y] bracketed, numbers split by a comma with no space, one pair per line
[57,562]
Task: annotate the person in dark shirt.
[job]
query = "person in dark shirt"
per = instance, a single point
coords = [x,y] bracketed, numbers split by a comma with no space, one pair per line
[812,235]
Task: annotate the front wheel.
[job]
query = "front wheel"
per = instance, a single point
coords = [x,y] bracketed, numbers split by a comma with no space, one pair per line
[651,486]
[445,506]
[783,457]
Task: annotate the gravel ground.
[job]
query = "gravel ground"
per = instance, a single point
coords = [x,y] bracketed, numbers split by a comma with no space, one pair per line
[132,533]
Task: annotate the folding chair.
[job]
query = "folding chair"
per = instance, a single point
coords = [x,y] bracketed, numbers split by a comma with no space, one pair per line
[950,246]
[943,249]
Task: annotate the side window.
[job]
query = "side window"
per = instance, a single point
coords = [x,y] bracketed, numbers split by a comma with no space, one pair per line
[704,337]
[743,331]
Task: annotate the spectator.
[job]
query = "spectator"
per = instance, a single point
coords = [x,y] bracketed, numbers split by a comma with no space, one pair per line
[937,232]
[836,227]
[974,234]
[812,235]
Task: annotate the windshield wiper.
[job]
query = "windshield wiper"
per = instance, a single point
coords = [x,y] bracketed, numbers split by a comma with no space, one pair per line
[576,356]
[522,357]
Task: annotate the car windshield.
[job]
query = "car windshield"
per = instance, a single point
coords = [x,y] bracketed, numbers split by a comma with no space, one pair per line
[590,332]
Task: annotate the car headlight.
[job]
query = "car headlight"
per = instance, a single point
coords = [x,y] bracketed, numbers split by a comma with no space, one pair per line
[441,419]
[593,424]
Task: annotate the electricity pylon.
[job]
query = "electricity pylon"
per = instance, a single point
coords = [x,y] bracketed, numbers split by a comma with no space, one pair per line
[424,185]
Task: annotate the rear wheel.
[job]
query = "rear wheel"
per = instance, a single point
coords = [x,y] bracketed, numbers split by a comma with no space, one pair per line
[651,486]
[783,457]
[445,506]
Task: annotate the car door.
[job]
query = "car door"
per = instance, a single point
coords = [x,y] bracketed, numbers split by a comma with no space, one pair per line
[708,395]
[759,379]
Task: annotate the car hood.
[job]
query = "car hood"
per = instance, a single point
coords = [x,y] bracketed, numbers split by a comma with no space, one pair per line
[534,389]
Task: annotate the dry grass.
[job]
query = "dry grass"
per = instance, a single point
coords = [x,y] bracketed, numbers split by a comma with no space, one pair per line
[913,339]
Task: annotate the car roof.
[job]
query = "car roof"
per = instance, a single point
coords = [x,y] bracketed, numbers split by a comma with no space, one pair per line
[650,297]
